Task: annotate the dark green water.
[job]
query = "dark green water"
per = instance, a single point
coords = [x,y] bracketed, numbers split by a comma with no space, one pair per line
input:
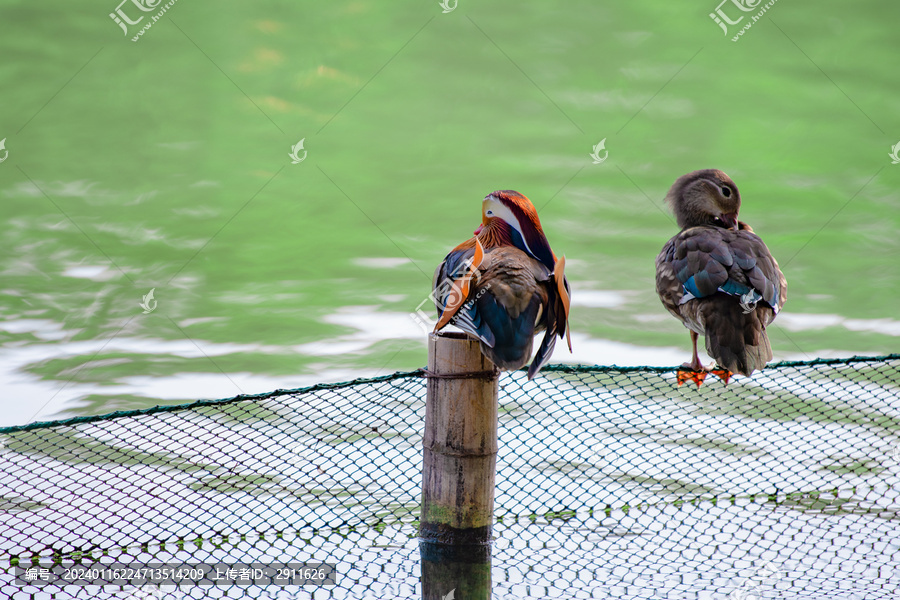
[163,164]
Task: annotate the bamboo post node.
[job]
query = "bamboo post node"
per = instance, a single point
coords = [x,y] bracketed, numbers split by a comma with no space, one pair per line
[459,454]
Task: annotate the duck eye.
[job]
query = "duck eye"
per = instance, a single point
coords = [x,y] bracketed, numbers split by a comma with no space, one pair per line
[490,212]
[726,191]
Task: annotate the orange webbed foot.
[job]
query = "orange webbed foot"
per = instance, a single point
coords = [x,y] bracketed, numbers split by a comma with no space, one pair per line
[686,373]
[689,372]
[723,374]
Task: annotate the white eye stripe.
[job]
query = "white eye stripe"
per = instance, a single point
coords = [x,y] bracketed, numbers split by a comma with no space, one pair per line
[501,211]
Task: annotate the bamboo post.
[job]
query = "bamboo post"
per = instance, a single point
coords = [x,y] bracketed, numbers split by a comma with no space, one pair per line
[460,443]
[458,467]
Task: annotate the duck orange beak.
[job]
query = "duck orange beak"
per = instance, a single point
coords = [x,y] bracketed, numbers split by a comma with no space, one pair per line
[480,228]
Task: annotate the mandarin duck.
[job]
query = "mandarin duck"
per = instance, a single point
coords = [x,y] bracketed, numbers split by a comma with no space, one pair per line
[505,285]
[718,277]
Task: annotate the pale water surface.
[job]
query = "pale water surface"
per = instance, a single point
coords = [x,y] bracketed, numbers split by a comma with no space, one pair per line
[163,165]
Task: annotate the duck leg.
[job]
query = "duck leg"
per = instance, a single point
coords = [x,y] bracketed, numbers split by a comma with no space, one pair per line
[695,371]
[692,371]
[695,364]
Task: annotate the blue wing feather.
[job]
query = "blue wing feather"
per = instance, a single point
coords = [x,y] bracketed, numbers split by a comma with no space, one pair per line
[706,264]
[511,337]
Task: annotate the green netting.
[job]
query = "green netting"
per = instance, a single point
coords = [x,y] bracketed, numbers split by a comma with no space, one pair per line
[611,483]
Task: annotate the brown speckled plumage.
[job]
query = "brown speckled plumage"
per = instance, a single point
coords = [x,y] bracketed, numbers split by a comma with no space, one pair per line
[517,290]
[737,287]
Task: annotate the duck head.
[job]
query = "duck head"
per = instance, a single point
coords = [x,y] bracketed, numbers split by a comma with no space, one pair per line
[509,219]
[707,197]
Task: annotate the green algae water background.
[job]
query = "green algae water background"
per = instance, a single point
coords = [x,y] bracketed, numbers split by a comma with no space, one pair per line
[172,164]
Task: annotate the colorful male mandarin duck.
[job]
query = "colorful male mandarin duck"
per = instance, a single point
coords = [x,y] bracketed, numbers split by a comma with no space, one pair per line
[718,277]
[505,285]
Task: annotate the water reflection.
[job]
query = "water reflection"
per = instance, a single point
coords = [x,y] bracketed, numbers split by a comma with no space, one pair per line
[449,572]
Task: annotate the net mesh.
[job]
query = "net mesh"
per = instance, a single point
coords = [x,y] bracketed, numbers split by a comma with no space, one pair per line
[611,483]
